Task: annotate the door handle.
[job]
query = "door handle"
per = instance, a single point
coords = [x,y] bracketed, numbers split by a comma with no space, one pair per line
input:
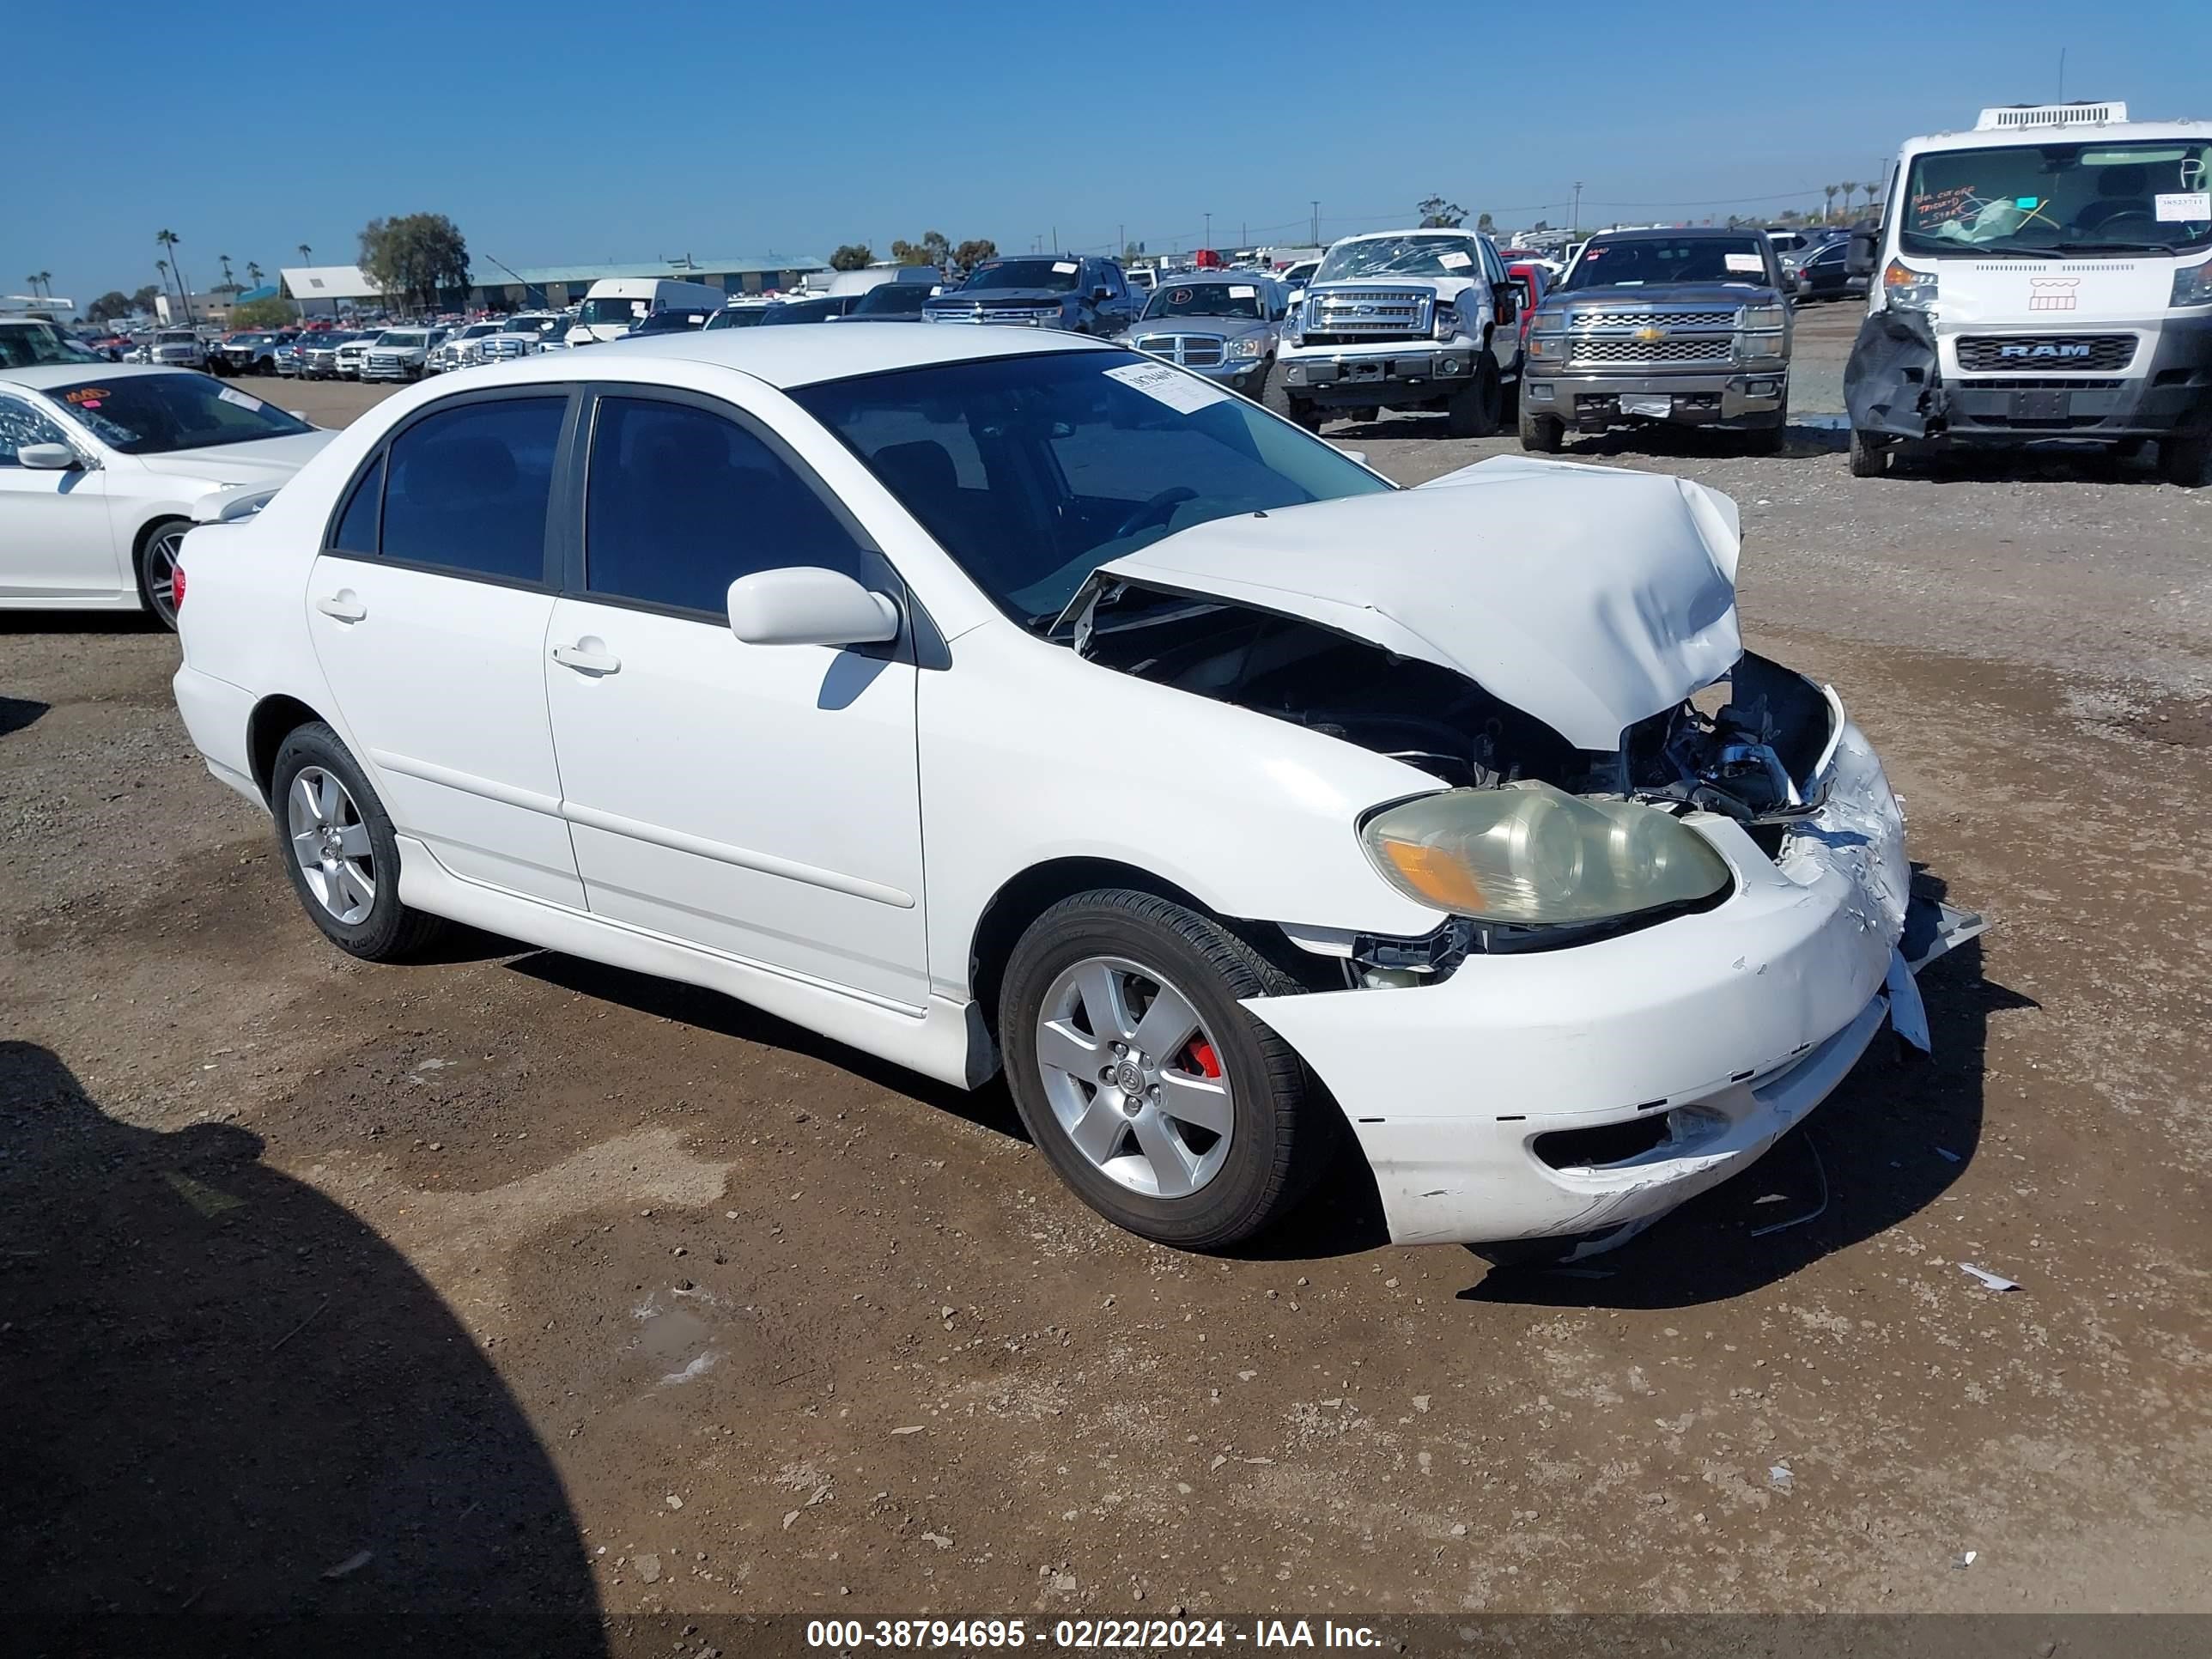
[586,662]
[343,605]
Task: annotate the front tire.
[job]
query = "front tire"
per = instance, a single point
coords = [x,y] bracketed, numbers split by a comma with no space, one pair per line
[157,569]
[1769,439]
[2184,458]
[1168,1108]
[1302,411]
[1869,455]
[340,850]
[1540,434]
[1476,409]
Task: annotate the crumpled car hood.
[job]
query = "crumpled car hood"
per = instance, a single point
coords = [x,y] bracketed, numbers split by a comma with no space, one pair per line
[1588,597]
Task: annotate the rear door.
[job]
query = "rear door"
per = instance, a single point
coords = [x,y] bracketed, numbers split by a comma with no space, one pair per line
[428,605]
[761,801]
[56,542]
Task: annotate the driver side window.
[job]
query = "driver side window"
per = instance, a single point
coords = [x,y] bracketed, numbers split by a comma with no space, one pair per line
[21,424]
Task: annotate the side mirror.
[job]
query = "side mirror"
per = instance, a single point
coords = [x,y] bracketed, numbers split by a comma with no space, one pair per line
[1102,292]
[806,604]
[49,457]
[1503,305]
[1859,260]
[1359,455]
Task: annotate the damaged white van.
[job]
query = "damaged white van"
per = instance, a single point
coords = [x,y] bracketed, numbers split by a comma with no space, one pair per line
[991,700]
[2046,276]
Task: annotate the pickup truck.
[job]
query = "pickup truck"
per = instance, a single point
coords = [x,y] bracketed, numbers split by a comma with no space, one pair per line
[1689,327]
[1078,293]
[1404,319]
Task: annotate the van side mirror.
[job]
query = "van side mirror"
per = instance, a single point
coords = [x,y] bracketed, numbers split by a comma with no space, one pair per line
[807,604]
[1858,260]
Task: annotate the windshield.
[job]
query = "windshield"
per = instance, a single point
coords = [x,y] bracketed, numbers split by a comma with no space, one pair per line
[738,316]
[405,338]
[27,345]
[477,330]
[177,337]
[1446,254]
[607,312]
[671,322]
[1032,472]
[892,299]
[2045,199]
[1058,275]
[1207,299]
[803,311]
[1633,262]
[154,414]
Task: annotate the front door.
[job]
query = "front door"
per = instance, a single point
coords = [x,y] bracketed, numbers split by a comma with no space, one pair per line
[761,801]
[428,610]
[55,540]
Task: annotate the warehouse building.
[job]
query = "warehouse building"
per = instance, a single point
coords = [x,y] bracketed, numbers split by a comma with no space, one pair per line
[323,290]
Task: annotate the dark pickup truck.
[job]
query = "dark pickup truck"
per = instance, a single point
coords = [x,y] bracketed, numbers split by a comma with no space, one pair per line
[1075,292]
[1691,327]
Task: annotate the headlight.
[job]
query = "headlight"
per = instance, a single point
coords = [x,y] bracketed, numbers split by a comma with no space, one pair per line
[1906,288]
[1447,320]
[2192,285]
[1294,321]
[1251,345]
[1760,317]
[1531,854]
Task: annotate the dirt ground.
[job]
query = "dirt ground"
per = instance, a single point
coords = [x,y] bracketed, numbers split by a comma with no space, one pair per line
[515,1283]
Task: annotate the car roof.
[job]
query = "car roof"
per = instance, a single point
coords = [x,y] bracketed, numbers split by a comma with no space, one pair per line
[1675,233]
[46,376]
[790,357]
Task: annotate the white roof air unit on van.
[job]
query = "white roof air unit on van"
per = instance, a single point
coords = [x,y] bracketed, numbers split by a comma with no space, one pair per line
[2050,115]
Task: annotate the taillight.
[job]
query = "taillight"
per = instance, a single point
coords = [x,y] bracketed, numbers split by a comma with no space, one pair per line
[176,587]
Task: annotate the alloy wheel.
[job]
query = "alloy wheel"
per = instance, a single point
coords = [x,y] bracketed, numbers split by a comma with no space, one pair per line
[161,573]
[1134,1079]
[330,844]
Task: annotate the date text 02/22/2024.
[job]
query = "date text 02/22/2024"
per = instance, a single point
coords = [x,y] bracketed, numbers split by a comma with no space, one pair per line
[1085,1635]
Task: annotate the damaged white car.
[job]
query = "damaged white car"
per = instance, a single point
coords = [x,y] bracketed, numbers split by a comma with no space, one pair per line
[1016,701]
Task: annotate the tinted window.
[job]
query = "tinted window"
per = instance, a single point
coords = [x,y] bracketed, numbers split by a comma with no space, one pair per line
[21,424]
[892,299]
[681,502]
[154,414]
[1057,274]
[468,488]
[356,531]
[1638,261]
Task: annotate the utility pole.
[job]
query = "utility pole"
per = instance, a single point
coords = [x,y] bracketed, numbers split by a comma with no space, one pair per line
[1209,230]
[2061,75]
[1055,239]
[1122,232]
[1576,216]
[1313,231]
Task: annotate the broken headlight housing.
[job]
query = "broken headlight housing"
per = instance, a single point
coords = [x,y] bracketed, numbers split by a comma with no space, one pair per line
[1906,287]
[1530,855]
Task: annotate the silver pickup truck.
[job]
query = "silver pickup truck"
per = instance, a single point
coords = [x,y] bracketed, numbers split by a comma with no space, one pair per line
[1689,327]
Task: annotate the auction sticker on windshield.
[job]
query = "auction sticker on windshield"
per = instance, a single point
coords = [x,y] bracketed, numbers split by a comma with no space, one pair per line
[1742,262]
[1235,292]
[1186,393]
[243,400]
[2183,206]
[1063,267]
[1454,260]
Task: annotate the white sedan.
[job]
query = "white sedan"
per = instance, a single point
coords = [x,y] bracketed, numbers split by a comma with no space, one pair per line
[990,700]
[103,468]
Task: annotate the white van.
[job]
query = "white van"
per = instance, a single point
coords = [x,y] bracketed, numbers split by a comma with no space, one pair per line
[613,304]
[2046,274]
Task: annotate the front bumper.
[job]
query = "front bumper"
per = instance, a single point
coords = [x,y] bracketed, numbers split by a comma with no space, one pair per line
[1590,400]
[1730,1026]
[1382,375]
[2166,388]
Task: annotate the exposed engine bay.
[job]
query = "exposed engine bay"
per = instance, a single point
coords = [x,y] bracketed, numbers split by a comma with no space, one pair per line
[1751,756]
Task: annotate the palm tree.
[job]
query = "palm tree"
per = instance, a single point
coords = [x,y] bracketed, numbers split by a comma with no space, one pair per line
[307,255]
[168,240]
[223,259]
[33,279]
[1828,211]
[253,273]
[1850,190]
[46,282]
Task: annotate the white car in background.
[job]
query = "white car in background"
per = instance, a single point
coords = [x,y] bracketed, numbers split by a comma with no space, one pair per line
[990,699]
[103,468]
[354,353]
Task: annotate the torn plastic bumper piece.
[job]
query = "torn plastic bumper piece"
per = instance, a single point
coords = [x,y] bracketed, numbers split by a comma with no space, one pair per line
[1893,383]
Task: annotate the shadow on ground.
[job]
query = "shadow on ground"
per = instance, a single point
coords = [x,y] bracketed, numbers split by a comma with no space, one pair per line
[238,1421]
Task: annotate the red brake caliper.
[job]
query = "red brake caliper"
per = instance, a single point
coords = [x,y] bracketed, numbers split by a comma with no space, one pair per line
[1209,1063]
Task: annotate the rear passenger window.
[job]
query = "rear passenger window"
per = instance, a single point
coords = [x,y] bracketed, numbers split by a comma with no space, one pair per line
[356,531]
[680,502]
[468,488]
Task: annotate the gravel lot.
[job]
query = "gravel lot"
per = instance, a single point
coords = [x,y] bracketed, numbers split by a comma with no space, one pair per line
[553,1288]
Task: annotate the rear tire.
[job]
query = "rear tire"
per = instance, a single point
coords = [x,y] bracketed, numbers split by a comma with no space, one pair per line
[1476,409]
[2184,458]
[1093,971]
[1540,434]
[1869,455]
[339,848]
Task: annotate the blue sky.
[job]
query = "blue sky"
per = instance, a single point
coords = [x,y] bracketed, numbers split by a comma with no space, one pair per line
[563,131]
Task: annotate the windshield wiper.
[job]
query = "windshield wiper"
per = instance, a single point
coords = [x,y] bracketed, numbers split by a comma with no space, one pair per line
[2116,247]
